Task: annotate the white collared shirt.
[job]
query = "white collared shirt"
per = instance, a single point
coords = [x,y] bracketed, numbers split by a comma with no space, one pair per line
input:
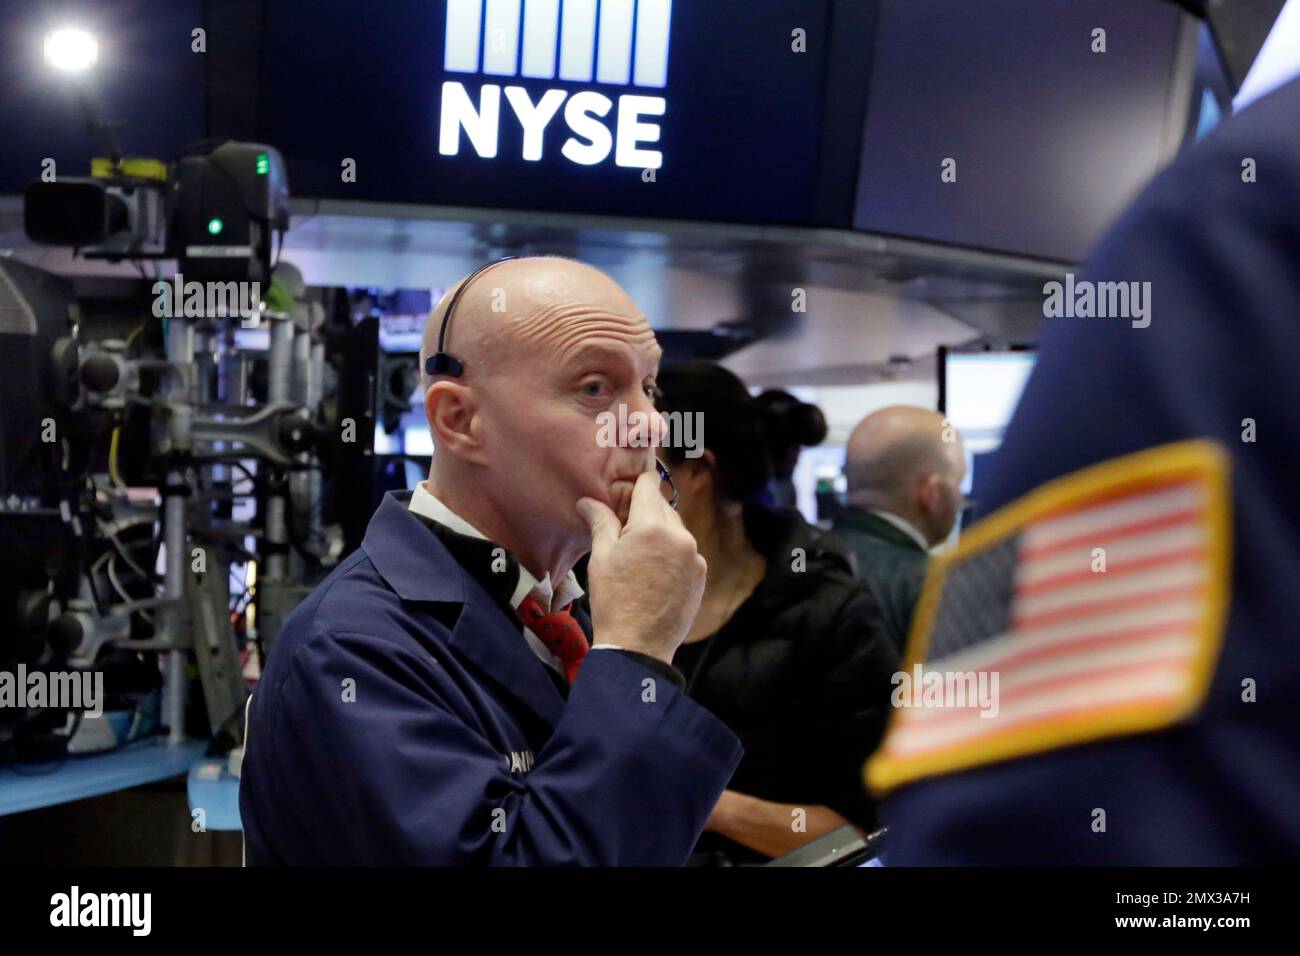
[903,525]
[544,591]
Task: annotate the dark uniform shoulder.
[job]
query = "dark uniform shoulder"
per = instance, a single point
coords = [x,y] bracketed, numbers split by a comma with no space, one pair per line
[1130,597]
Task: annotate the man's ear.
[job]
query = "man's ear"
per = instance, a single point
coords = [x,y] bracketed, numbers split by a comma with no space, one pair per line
[452,410]
[928,493]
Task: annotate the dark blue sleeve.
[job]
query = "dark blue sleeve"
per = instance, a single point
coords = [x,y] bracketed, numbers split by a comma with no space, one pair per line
[1223,260]
[408,780]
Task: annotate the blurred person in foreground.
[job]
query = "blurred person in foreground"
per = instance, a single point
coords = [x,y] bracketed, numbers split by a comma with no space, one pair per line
[787,648]
[1134,586]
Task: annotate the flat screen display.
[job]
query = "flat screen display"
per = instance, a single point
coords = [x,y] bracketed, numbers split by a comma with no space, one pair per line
[1019,126]
[980,391]
[658,108]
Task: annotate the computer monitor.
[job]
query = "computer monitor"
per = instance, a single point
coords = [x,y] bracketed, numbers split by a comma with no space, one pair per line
[978,392]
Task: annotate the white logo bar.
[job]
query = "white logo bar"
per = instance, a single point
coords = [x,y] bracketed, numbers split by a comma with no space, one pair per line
[578,40]
[464,17]
[541,34]
[501,38]
[614,59]
[653,20]
[620,42]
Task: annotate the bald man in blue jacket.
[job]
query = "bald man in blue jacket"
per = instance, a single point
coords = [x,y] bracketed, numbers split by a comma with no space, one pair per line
[442,698]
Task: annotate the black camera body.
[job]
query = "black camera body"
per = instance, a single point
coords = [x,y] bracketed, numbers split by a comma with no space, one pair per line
[215,211]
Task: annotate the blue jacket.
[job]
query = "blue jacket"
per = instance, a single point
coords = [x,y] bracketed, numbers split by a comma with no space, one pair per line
[1219,363]
[403,719]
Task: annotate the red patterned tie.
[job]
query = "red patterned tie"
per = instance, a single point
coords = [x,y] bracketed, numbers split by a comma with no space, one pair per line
[558,630]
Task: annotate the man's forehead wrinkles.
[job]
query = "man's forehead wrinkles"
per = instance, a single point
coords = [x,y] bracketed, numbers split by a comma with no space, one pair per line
[561,327]
[558,318]
[592,339]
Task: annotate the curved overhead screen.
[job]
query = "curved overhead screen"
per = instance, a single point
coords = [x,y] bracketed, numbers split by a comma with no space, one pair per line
[1051,126]
[662,108]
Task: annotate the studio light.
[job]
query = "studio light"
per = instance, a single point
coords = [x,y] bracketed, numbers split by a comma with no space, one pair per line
[71,50]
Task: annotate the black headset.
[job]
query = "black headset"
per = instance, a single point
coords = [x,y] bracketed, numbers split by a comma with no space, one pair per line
[444,363]
[441,362]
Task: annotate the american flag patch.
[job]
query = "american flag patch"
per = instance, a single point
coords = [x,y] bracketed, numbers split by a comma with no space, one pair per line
[1093,607]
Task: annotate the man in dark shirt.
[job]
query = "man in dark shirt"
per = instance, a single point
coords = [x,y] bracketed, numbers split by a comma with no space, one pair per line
[904,468]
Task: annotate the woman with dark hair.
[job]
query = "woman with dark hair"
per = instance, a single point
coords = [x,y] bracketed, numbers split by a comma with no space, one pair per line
[788,648]
[794,426]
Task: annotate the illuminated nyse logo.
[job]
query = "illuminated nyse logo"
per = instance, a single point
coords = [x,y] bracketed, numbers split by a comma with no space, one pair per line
[608,42]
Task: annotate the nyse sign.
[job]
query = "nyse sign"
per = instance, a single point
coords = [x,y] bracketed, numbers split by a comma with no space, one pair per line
[583,112]
[615,43]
